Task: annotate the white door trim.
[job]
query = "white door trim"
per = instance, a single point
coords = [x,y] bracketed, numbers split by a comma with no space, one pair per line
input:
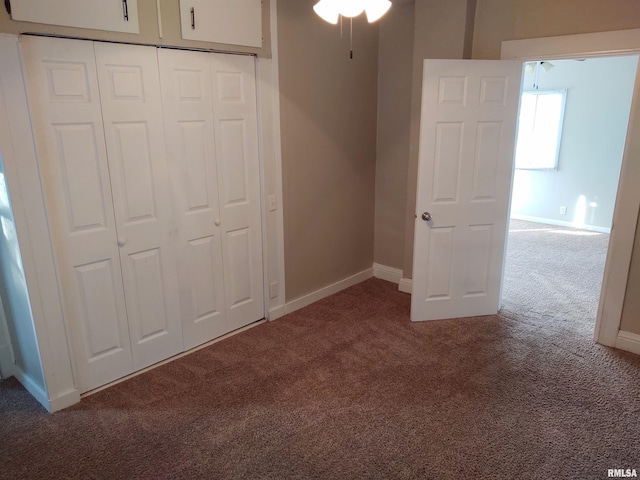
[625,215]
[268,83]
[23,180]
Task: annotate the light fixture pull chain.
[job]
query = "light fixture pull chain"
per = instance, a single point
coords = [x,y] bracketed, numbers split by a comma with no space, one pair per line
[351,40]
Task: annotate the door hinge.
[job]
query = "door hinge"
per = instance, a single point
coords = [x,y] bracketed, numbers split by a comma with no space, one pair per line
[125,10]
[7,5]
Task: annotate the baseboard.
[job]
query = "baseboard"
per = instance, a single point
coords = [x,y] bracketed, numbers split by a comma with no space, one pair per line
[277,312]
[305,300]
[65,400]
[406,285]
[561,223]
[628,341]
[32,387]
[389,274]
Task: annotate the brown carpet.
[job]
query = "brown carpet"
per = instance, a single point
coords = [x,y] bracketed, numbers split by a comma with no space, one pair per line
[348,388]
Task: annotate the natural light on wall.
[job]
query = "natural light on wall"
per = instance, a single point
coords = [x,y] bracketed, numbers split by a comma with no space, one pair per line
[540,129]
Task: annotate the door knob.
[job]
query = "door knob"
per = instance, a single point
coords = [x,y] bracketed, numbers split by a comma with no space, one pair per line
[426,216]
[217,222]
[122,242]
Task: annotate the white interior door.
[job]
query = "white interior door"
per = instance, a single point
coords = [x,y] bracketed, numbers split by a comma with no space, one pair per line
[188,116]
[134,132]
[236,133]
[467,135]
[67,119]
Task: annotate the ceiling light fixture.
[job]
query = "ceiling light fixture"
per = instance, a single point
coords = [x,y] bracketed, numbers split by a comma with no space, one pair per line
[333,10]
[534,68]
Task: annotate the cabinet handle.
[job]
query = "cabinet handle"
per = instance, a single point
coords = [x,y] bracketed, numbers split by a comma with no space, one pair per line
[193,18]
[125,10]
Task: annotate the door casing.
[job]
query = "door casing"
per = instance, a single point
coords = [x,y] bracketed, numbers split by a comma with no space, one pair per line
[625,216]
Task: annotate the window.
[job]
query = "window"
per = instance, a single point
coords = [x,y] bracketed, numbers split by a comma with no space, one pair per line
[539,129]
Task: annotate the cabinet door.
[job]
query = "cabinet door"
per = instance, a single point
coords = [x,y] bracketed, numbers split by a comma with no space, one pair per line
[65,110]
[134,132]
[236,22]
[186,90]
[110,15]
[236,133]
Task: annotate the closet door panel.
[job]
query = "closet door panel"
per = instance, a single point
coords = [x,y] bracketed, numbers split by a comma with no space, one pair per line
[65,109]
[236,131]
[134,131]
[187,99]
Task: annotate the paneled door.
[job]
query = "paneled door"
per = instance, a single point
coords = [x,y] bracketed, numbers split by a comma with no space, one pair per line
[467,135]
[67,119]
[188,116]
[236,133]
[134,133]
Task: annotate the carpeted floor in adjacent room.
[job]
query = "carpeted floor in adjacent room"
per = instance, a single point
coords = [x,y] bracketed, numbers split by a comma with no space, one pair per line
[348,388]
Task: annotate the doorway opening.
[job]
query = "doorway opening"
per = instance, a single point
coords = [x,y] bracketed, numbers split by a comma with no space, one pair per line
[568,161]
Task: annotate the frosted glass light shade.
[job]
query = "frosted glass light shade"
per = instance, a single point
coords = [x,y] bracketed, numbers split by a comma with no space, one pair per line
[327,10]
[330,10]
[376,9]
[352,8]
[546,66]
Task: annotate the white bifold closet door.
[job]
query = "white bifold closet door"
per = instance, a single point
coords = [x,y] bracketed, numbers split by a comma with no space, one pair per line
[99,137]
[210,114]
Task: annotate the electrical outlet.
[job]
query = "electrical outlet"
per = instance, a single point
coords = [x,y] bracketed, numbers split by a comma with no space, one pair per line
[273,290]
[273,205]
[563,210]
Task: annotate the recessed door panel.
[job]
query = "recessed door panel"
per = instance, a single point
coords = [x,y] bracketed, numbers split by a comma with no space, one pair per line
[79,162]
[448,153]
[239,261]
[487,155]
[440,254]
[147,314]
[134,132]
[193,138]
[234,161]
[478,253]
[67,81]
[494,91]
[98,285]
[207,277]
[132,153]
[65,109]
[452,90]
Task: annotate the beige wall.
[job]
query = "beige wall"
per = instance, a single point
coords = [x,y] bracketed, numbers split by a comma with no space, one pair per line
[328,122]
[395,66]
[149,31]
[498,20]
[440,30]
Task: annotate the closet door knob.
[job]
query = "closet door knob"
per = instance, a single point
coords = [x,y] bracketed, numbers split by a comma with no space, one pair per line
[217,222]
[122,242]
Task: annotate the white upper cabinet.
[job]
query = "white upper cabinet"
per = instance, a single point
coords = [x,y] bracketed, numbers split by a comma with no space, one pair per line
[235,22]
[110,15]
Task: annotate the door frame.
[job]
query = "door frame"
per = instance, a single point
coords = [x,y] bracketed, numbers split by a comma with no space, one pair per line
[627,205]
